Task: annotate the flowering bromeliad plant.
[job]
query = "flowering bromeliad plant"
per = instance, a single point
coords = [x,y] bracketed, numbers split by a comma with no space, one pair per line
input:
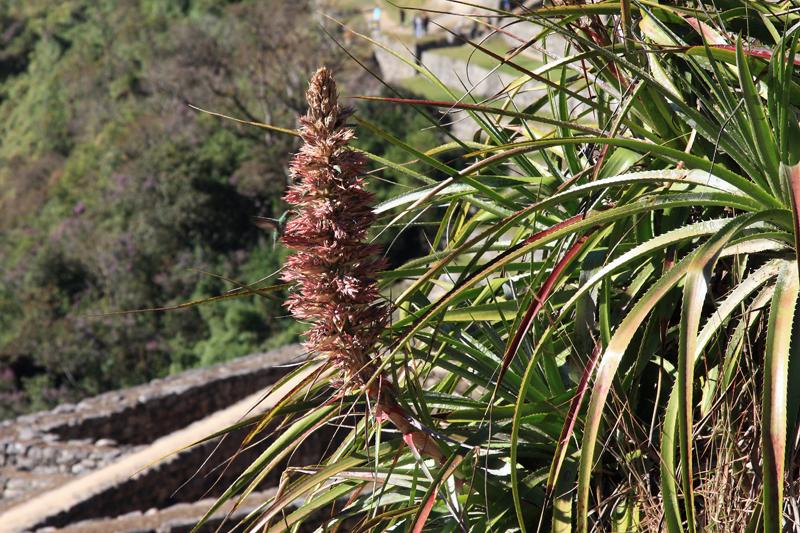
[607,322]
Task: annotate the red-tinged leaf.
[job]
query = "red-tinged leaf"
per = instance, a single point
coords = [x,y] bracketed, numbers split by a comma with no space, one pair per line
[761,53]
[537,304]
[711,36]
[793,177]
[430,497]
[773,405]
[572,417]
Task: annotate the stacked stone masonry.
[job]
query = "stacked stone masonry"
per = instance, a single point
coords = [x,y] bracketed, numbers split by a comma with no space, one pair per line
[48,449]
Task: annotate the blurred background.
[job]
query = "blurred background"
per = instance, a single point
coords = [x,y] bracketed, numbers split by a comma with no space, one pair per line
[115,195]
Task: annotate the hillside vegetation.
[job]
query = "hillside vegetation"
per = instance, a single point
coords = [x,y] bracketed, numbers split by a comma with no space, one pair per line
[115,195]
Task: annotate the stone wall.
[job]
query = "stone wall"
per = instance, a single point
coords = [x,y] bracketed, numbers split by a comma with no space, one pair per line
[46,449]
[140,414]
[189,476]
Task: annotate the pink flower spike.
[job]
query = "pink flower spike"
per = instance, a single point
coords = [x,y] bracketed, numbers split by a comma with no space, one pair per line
[334,267]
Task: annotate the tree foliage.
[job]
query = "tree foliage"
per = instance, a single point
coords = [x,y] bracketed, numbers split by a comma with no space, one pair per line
[116,196]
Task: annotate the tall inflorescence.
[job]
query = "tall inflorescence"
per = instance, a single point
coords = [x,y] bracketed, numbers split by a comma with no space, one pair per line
[333,266]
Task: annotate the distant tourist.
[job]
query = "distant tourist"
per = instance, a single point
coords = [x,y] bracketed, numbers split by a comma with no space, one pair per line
[426,20]
[376,19]
[402,17]
[419,29]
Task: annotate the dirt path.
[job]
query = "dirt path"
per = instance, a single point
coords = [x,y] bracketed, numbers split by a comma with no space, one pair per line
[32,512]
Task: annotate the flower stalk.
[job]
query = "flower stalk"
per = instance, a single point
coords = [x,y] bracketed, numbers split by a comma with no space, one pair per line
[333,266]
